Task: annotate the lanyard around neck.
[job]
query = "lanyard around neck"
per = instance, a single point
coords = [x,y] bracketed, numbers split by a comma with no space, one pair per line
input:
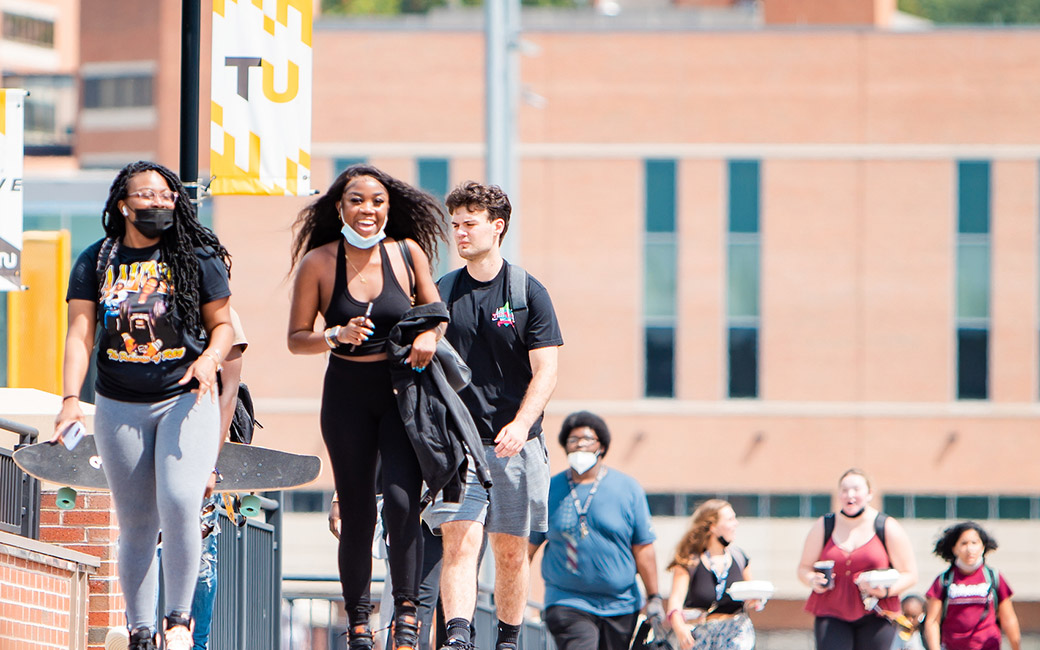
[583,508]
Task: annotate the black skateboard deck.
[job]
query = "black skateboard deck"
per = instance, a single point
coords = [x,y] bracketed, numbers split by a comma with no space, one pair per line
[245,468]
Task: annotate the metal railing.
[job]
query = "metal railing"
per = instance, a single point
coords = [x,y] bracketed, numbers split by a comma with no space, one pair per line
[247,609]
[315,620]
[19,492]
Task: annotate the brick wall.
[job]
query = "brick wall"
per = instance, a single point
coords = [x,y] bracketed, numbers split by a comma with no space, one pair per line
[90,528]
[43,595]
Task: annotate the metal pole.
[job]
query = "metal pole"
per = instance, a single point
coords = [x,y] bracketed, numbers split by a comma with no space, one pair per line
[191,20]
[495,81]
[502,83]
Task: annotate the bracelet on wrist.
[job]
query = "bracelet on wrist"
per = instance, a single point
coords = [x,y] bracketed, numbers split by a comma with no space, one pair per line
[212,354]
[68,397]
[332,337]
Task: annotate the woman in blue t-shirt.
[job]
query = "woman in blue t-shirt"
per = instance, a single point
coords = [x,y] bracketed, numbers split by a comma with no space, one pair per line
[153,294]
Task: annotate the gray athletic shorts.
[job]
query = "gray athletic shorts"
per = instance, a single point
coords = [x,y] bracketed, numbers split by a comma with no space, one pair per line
[520,493]
[472,507]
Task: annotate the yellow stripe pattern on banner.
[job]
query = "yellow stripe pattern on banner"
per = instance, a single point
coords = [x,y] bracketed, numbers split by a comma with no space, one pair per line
[3,112]
[260,132]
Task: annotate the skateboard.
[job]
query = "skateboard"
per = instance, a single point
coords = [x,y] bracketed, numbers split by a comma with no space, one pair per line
[244,468]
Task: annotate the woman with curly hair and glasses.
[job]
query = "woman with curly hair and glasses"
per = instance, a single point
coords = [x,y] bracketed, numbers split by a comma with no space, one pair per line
[361,254]
[154,294]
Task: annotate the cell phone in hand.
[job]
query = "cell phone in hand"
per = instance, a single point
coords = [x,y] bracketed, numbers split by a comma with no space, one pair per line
[72,434]
[368,312]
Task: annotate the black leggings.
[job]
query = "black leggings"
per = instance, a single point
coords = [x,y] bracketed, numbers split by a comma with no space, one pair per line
[867,633]
[361,424]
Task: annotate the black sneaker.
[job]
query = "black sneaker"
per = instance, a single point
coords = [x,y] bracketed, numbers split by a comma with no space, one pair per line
[458,644]
[142,639]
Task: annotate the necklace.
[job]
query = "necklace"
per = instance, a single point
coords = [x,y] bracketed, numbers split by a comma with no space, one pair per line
[356,271]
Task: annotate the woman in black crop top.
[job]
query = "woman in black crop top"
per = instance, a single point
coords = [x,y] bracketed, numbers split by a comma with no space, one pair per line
[348,257]
[701,612]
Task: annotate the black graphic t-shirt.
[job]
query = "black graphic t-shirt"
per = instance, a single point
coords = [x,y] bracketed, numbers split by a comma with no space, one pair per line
[482,329]
[141,355]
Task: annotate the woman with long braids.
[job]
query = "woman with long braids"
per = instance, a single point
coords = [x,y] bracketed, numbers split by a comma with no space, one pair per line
[154,293]
[348,254]
[706,563]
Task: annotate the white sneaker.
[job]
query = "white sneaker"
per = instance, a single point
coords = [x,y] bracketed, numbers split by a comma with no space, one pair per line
[118,638]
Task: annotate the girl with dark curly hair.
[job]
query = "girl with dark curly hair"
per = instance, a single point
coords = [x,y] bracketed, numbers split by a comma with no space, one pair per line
[349,257]
[969,603]
[154,295]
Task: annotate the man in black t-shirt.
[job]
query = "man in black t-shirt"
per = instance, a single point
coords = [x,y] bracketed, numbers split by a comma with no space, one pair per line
[510,343]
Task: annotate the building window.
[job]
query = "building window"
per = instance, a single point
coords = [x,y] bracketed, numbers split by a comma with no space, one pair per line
[125,91]
[434,175]
[50,112]
[28,29]
[660,275]
[973,279]
[742,276]
[341,164]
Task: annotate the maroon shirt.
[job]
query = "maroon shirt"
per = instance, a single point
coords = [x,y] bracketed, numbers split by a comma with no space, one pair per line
[971,621]
[845,601]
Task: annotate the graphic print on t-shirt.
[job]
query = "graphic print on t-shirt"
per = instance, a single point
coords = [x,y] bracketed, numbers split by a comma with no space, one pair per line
[135,321]
[503,316]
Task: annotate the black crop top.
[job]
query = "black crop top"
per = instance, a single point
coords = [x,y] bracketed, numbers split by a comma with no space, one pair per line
[387,308]
[701,592]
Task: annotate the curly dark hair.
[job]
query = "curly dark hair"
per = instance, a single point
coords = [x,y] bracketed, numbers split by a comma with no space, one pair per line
[476,197]
[176,245]
[585,419]
[413,214]
[944,545]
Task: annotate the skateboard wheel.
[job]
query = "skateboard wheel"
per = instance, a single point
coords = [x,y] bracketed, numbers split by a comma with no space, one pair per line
[250,506]
[66,498]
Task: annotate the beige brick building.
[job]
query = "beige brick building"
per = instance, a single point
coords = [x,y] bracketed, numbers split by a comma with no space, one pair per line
[776,250]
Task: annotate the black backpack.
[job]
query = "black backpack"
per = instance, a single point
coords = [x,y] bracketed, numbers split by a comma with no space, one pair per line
[516,294]
[243,422]
[879,528]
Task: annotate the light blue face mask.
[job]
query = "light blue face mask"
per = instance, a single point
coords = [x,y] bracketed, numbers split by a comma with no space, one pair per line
[356,240]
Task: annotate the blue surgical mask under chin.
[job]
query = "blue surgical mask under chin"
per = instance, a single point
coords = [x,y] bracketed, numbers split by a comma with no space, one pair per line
[357,241]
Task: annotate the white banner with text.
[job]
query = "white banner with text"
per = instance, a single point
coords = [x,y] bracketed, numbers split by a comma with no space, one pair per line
[12,151]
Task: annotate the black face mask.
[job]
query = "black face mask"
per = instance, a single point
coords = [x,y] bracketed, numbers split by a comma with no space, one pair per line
[153,222]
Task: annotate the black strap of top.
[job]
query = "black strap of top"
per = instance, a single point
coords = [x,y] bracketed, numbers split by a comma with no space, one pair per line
[409,265]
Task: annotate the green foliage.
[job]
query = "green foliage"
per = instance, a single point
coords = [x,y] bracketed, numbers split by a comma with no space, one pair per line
[379,7]
[975,12]
[395,7]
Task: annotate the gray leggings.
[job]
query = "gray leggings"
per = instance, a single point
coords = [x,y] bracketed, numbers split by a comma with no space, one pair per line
[157,459]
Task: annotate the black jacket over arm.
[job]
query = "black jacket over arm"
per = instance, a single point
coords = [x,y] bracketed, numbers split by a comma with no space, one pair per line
[436,420]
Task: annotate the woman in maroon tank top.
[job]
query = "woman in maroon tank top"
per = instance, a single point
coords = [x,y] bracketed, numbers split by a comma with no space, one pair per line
[843,619]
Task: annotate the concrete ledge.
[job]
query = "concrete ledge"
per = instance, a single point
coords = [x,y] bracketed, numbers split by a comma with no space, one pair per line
[47,554]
